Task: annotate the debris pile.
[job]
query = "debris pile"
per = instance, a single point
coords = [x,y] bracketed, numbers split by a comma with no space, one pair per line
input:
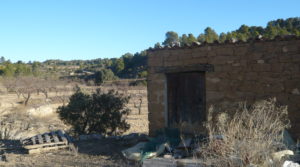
[173,149]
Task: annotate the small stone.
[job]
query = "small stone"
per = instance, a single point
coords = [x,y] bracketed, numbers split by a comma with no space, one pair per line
[236,64]
[296,91]
[214,80]
[290,164]
[168,156]
[260,61]
[219,137]
[278,155]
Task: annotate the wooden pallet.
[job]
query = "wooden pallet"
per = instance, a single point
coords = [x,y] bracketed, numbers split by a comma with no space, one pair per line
[47,141]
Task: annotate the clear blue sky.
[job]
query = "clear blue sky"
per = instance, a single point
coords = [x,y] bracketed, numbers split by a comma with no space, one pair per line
[89,29]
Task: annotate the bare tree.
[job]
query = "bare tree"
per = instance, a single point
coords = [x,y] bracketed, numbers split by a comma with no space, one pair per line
[9,84]
[139,105]
[25,87]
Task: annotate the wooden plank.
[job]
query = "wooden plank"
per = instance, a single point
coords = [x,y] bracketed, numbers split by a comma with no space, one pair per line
[40,139]
[33,139]
[26,141]
[39,150]
[62,136]
[54,136]
[47,138]
[44,145]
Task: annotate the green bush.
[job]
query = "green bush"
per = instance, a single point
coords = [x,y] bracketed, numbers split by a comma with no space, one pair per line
[99,112]
[104,75]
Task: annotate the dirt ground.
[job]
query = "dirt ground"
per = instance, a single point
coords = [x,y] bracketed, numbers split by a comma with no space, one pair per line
[104,153]
[40,117]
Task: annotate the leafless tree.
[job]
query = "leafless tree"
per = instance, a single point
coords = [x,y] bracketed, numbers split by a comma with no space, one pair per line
[139,105]
[9,84]
[25,87]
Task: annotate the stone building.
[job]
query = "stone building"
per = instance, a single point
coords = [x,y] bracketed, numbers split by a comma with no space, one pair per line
[184,81]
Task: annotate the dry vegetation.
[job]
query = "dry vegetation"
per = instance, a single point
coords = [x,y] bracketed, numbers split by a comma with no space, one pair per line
[249,137]
[28,108]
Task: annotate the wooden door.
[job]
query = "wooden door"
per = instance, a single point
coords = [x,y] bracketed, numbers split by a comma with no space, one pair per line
[186,98]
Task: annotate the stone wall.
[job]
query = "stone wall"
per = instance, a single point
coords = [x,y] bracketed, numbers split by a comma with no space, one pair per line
[242,72]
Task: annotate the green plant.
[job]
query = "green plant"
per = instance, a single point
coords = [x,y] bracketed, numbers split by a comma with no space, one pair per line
[99,112]
[103,75]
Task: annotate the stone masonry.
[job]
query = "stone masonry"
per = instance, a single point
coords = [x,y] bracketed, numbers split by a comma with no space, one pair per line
[242,71]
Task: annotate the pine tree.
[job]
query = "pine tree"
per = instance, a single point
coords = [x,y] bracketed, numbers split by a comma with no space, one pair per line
[210,35]
[171,38]
[222,37]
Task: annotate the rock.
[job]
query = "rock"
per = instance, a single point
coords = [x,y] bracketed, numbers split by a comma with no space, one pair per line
[260,61]
[168,156]
[296,91]
[290,164]
[218,137]
[278,155]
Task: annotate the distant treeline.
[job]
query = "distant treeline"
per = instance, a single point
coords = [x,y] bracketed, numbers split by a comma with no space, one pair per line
[127,66]
[135,65]
[290,26]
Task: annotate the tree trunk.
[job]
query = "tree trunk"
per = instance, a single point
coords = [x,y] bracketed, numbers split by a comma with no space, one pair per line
[27,99]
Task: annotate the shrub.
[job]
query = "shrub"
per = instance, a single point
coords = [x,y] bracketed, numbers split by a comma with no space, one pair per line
[249,137]
[102,113]
[103,75]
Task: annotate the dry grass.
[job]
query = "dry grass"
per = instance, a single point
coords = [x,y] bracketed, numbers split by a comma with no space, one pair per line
[249,137]
[12,124]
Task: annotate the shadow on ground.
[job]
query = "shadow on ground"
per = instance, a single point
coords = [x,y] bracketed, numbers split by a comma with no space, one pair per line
[11,146]
[110,148]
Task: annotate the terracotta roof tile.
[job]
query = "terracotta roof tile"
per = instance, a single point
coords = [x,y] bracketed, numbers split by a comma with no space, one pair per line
[232,41]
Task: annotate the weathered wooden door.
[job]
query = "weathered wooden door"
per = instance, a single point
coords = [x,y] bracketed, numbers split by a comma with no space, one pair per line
[186,98]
